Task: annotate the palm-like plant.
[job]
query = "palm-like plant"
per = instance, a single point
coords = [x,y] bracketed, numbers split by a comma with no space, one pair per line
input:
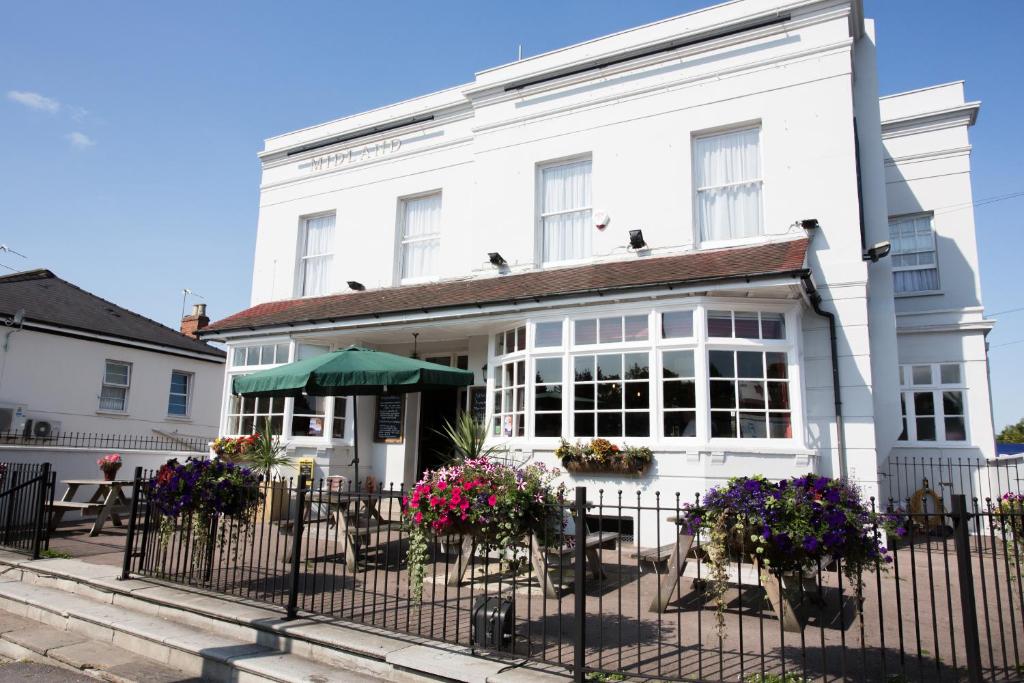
[467,437]
[267,456]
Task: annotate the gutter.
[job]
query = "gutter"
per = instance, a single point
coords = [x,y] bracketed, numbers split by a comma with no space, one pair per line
[815,300]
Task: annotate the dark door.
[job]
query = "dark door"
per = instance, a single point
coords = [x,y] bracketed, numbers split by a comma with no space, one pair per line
[436,406]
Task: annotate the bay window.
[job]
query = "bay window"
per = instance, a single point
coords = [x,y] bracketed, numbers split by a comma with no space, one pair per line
[704,372]
[933,403]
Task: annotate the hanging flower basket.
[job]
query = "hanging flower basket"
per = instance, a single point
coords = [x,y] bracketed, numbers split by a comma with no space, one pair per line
[601,456]
[109,465]
[234,448]
[496,504]
[788,527]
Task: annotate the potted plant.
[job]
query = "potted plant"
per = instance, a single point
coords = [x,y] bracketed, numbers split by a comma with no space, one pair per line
[602,456]
[233,448]
[466,436]
[109,465]
[495,503]
[265,457]
[200,492]
[787,528]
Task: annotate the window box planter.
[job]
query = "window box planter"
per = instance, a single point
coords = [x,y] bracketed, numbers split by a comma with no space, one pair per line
[600,456]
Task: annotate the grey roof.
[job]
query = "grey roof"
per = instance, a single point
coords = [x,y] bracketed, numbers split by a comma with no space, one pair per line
[49,300]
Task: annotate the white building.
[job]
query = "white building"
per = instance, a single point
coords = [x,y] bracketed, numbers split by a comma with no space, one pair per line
[71,362]
[489,224]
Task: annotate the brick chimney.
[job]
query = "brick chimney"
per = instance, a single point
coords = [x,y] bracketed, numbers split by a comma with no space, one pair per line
[195,321]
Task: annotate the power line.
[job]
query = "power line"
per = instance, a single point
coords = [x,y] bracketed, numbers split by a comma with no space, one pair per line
[979,202]
[1008,310]
[1009,343]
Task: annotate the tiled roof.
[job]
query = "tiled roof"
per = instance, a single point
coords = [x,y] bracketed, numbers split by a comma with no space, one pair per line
[775,258]
[49,300]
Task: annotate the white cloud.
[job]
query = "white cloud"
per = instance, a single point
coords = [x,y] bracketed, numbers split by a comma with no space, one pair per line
[34,100]
[80,140]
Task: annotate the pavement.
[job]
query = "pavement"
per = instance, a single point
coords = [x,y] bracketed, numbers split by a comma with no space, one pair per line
[11,670]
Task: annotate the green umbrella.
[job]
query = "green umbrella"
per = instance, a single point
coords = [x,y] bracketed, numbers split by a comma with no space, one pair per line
[354,371]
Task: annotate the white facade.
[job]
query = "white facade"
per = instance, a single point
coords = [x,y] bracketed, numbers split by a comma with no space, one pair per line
[60,379]
[710,131]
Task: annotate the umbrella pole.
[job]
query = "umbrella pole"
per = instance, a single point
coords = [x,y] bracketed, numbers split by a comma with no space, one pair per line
[355,438]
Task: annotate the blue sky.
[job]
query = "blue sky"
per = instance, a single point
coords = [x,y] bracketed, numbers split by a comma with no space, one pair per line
[129,142]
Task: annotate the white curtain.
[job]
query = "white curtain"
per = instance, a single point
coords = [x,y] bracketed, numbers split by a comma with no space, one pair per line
[566,211]
[421,237]
[913,254]
[317,255]
[728,178]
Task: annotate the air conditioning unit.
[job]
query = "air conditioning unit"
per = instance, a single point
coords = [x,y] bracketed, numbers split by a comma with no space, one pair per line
[42,429]
[12,418]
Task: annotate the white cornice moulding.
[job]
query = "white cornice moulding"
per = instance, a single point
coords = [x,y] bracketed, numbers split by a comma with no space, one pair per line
[961,115]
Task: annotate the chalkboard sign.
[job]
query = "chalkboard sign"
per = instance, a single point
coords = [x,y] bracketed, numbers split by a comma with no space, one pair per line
[478,404]
[387,427]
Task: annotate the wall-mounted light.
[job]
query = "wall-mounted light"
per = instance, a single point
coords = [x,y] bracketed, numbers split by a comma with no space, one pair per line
[496,259]
[356,286]
[809,224]
[878,251]
[636,239]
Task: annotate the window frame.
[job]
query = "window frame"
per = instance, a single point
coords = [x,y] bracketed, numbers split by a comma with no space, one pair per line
[540,214]
[401,240]
[303,257]
[719,131]
[937,388]
[126,387]
[934,250]
[189,392]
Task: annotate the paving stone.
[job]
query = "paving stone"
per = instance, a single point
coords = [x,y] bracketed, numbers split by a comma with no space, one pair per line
[36,672]
[150,672]
[92,655]
[439,661]
[42,639]
[12,622]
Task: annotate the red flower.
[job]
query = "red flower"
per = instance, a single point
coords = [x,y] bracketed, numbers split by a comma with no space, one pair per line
[493,500]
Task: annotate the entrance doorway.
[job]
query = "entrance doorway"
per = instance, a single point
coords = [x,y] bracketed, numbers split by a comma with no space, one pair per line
[436,406]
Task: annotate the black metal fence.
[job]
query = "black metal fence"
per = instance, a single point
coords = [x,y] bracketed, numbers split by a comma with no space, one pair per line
[949,607]
[917,478]
[184,444]
[26,492]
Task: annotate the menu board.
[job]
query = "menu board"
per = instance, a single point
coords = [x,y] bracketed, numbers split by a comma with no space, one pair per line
[478,404]
[387,426]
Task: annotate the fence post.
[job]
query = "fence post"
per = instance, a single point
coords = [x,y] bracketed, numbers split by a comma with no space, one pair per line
[579,580]
[968,606]
[37,529]
[129,544]
[297,519]
[13,492]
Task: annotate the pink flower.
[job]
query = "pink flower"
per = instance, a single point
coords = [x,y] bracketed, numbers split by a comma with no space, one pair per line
[493,500]
[434,501]
[418,517]
[442,485]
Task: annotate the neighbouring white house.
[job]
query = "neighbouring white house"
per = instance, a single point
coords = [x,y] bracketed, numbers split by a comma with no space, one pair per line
[673,236]
[73,363]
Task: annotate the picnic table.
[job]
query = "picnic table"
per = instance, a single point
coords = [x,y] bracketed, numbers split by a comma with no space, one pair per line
[678,555]
[106,501]
[539,555]
[356,515]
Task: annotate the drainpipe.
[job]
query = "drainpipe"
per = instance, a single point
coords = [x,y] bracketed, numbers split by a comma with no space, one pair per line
[815,299]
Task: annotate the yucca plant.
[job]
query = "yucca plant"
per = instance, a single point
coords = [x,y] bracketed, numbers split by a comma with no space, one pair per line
[267,456]
[467,437]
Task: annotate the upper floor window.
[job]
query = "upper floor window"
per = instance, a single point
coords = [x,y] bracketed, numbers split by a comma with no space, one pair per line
[180,394]
[565,211]
[117,377]
[727,177]
[260,354]
[932,402]
[914,267]
[317,255]
[421,236]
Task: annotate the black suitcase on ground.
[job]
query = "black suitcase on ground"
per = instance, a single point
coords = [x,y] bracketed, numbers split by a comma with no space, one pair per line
[493,623]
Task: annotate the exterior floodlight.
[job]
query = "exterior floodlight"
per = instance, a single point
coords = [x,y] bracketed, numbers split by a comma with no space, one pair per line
[356,286]
[496,259]
[636,239]
[879,251]
[19,317]
[809,224]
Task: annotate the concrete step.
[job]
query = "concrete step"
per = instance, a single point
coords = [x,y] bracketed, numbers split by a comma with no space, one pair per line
[71,619]
[343,647]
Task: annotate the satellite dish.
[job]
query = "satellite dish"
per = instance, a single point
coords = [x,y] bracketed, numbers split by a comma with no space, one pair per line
[601,220]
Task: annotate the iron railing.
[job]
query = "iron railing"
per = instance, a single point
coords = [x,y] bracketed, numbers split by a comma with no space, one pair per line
[26,493]
[183,444]
[912,478]
[948,607]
